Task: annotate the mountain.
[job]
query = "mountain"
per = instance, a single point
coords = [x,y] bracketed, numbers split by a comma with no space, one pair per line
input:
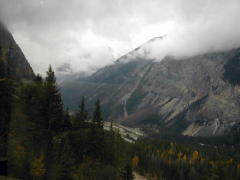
[195,96]
[12,54]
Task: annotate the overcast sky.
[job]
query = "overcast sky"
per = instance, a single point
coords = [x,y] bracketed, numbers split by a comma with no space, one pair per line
[82,35]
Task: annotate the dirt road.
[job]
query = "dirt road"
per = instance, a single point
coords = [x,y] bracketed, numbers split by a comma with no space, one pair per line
[138,177]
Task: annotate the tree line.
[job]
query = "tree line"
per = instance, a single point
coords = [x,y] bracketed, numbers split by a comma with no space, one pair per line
[162,159]
[40,140]
[43,141]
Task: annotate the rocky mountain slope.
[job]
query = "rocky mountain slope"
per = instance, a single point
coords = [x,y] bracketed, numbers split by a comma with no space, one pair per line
[13,56]
[195,96]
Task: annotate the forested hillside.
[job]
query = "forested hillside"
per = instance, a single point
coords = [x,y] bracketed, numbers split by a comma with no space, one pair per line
[45,142]
[39,139]
[163,159]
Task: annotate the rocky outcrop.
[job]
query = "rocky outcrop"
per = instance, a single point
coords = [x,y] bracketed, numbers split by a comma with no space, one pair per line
[13,56]
[195,96]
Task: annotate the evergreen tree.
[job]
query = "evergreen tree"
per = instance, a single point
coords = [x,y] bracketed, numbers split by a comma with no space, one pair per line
[38,78]
[67,125]
[97,115]
[96,137]
[53,115]
[236,134]
[82,115]
[53,106]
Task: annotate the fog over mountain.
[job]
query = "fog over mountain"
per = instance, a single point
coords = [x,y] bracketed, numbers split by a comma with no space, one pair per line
[87,35]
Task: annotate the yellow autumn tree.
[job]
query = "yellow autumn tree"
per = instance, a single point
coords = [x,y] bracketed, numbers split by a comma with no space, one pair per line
[180,155]
[38,168]
[238,166]
[18,152]
[230,162]
[170,152]
[184,157]
[195,157]
[211,163]
[135,161]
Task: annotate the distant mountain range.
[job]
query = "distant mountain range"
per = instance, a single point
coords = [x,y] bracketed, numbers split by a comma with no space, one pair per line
[195,96]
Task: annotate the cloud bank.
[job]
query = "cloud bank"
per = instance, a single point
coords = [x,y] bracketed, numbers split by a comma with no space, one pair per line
[90,34]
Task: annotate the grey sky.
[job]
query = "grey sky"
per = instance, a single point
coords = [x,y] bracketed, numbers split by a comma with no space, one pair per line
[89,34]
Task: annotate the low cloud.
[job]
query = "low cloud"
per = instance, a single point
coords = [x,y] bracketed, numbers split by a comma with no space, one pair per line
[90,34]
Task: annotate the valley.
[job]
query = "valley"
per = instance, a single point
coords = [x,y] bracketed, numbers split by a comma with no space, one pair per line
[191,96]
[137,118]
[131,135]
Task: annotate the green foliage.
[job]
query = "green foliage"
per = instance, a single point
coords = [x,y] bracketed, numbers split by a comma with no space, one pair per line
[53,106]
[67,125]
[37,168]
[47,143]
[97,115]
[81,116]
[174,161]
[94,170]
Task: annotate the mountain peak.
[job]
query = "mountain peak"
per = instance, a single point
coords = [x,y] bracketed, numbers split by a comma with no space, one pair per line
[141,51]
[157,38]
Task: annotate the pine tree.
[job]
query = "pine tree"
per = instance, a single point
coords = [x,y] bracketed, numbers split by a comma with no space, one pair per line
[82,115]
[67,125]
[97,115]
[53,103]
[96,137]
[38,78]
[33,102]
[53,114]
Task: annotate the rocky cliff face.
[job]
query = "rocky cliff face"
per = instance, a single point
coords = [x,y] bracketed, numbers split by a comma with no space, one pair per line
[13,56]
[196,96]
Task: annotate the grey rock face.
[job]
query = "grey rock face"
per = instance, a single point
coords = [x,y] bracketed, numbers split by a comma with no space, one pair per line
[12,54]
[190,96]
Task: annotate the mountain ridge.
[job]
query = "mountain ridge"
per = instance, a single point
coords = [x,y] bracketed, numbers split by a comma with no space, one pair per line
[191,96]
[14,57]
